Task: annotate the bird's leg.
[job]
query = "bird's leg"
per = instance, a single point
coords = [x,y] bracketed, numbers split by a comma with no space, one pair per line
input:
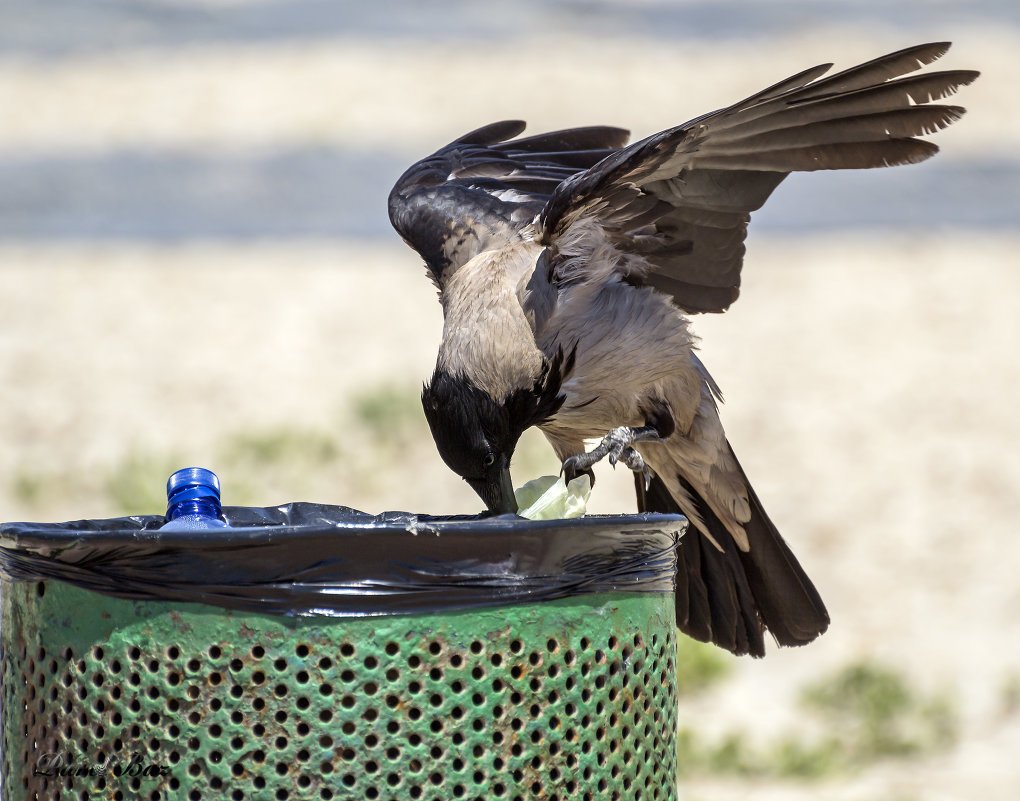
[618,446]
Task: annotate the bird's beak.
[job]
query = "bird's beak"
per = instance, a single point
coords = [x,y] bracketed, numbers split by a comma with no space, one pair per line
[498,495]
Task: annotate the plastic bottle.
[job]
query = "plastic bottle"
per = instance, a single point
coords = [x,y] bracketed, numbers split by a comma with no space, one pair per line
[193,501]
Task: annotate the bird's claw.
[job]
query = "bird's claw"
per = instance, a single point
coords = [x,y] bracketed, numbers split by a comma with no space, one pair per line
[617,445]
[632,459]
[571,469]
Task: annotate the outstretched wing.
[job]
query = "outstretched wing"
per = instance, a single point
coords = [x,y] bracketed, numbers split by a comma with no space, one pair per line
[481,190]
[675,206]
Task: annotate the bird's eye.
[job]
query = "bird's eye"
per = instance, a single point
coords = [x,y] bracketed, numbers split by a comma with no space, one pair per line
[489,460]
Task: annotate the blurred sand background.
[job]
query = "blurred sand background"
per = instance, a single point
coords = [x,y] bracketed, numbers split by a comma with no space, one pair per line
[196,267]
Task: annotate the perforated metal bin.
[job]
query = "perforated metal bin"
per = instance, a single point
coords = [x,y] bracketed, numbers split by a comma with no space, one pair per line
[540,663]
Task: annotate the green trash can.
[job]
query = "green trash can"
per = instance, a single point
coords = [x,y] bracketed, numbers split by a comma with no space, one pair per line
[313,652]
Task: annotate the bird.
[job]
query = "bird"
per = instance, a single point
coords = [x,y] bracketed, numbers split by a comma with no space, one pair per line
[568,265]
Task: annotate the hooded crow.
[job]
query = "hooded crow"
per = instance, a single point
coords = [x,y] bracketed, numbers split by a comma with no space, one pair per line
[567,264]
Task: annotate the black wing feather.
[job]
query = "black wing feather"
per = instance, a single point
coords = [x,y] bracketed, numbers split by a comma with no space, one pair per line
[483,190]
[712,172]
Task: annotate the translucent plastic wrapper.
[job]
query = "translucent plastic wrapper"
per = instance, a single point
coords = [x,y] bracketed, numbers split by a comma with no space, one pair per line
[550,498]
[312,559]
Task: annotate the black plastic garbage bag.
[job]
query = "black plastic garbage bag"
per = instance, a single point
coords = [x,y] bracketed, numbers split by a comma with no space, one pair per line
[313,559]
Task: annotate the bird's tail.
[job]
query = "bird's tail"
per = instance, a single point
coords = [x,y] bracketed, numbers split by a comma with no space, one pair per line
[730,597]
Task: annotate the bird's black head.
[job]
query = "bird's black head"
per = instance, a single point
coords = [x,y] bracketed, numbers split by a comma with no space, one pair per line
[476,434]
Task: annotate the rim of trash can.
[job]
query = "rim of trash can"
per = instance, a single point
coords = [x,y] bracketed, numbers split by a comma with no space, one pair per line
[318,560]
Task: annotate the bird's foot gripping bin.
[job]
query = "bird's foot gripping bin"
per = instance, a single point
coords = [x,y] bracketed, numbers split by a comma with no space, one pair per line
[312,652]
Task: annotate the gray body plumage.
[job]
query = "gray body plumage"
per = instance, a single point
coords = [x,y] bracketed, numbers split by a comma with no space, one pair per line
[566,263]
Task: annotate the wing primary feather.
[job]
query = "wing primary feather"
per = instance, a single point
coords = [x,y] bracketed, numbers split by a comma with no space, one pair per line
[821,126]
[492,133]
[592,137]
[840,156]
[780,88]
[902,62]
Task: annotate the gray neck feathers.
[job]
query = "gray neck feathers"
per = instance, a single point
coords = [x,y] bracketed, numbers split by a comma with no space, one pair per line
[486,336]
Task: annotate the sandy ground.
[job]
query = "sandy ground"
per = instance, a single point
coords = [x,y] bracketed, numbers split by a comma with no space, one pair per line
[871,379]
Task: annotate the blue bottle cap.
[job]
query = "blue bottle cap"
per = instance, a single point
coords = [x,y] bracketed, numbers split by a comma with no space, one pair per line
[192,482]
